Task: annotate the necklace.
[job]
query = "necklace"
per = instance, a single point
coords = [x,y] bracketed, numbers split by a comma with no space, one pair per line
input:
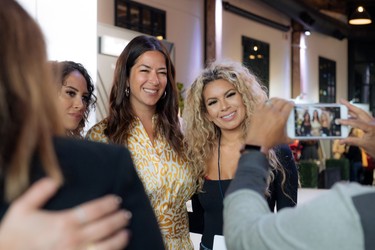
[218,167]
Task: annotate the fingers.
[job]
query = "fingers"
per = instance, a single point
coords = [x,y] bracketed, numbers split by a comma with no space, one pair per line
[97,223]
[117,241]
[357,112]
[287,107]
[355,124]
[280,104]
[268,123]
[106,226]
[95,209]
[38,194]
[356,141]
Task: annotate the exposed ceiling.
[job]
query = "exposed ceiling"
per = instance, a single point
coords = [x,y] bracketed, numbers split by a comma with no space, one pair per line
[329,16]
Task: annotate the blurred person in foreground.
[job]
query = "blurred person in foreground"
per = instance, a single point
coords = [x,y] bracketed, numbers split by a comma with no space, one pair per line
[32,147]
[341,218]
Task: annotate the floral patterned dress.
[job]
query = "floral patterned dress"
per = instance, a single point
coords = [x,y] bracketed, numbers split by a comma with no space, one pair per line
[168,181]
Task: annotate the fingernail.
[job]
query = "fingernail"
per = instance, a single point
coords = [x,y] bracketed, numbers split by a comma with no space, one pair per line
[118,200]
[128,215]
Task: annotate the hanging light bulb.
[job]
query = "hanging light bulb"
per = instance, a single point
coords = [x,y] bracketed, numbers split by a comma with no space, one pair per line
[360,17]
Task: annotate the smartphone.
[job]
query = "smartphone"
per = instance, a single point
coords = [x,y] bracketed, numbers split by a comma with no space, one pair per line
[317,121]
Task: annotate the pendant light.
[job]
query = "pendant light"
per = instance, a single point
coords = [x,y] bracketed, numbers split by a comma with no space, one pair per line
[360,17]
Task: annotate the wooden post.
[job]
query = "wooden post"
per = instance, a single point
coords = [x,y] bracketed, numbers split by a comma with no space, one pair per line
[296,59]
[210,32]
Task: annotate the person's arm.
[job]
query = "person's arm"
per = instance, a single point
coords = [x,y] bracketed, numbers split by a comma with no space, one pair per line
[265,135]
[248,222]
[364,121]
[98,223]
[322,224]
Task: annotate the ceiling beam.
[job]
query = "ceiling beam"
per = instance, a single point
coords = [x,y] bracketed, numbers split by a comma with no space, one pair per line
[311,18]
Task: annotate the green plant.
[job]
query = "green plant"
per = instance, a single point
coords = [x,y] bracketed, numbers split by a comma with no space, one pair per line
[308,171]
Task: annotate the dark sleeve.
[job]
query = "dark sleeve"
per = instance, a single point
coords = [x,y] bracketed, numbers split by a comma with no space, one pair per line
[286,196]
[196,218]
[252,173]
[145,232]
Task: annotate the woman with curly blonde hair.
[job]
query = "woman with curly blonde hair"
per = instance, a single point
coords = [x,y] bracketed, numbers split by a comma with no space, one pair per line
[218,110]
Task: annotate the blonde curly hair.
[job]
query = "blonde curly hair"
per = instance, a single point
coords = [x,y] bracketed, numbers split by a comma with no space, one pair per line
[201,135]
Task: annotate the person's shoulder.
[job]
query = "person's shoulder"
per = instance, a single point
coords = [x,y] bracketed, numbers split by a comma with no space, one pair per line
[91,149]
[96,132]
[100,126]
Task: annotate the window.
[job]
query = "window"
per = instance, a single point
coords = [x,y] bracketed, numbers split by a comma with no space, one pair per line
[256,58]
[327,80]
[362,73]
[139,17]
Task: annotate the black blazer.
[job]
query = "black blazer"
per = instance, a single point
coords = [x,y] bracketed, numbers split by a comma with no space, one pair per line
[92,170]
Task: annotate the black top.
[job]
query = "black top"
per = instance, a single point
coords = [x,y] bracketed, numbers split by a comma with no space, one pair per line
[207,215]
[92,170]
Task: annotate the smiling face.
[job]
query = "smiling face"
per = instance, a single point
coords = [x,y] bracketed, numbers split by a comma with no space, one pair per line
[148,80]
[224,105]
[73,98]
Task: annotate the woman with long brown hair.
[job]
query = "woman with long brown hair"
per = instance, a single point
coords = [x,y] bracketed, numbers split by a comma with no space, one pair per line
[143,115]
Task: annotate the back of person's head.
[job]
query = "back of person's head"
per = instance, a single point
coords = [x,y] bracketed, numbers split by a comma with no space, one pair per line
[28,116]
[121,114]
[65,69]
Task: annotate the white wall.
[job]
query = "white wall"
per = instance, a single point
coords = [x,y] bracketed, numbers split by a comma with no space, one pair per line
[69,27]
[330,48]
[234,27]
[185,27]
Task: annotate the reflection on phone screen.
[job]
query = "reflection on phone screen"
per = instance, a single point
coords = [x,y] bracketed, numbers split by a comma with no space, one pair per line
[316,121]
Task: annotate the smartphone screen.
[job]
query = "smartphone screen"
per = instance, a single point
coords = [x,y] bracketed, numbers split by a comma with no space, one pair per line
[317,121]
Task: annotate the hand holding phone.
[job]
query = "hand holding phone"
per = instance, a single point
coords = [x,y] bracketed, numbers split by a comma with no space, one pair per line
[317,121]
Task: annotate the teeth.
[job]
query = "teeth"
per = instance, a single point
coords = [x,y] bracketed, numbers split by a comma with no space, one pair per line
[150,91]
[228,116]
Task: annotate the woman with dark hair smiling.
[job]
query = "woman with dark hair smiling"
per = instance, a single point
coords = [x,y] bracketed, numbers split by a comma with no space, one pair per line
[143,115]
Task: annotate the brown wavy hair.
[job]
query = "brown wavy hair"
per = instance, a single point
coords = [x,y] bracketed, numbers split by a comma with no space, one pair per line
[121,115]
[28,114]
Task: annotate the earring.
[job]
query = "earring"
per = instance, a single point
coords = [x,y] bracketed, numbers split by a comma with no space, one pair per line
[127,91]
[165,94]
